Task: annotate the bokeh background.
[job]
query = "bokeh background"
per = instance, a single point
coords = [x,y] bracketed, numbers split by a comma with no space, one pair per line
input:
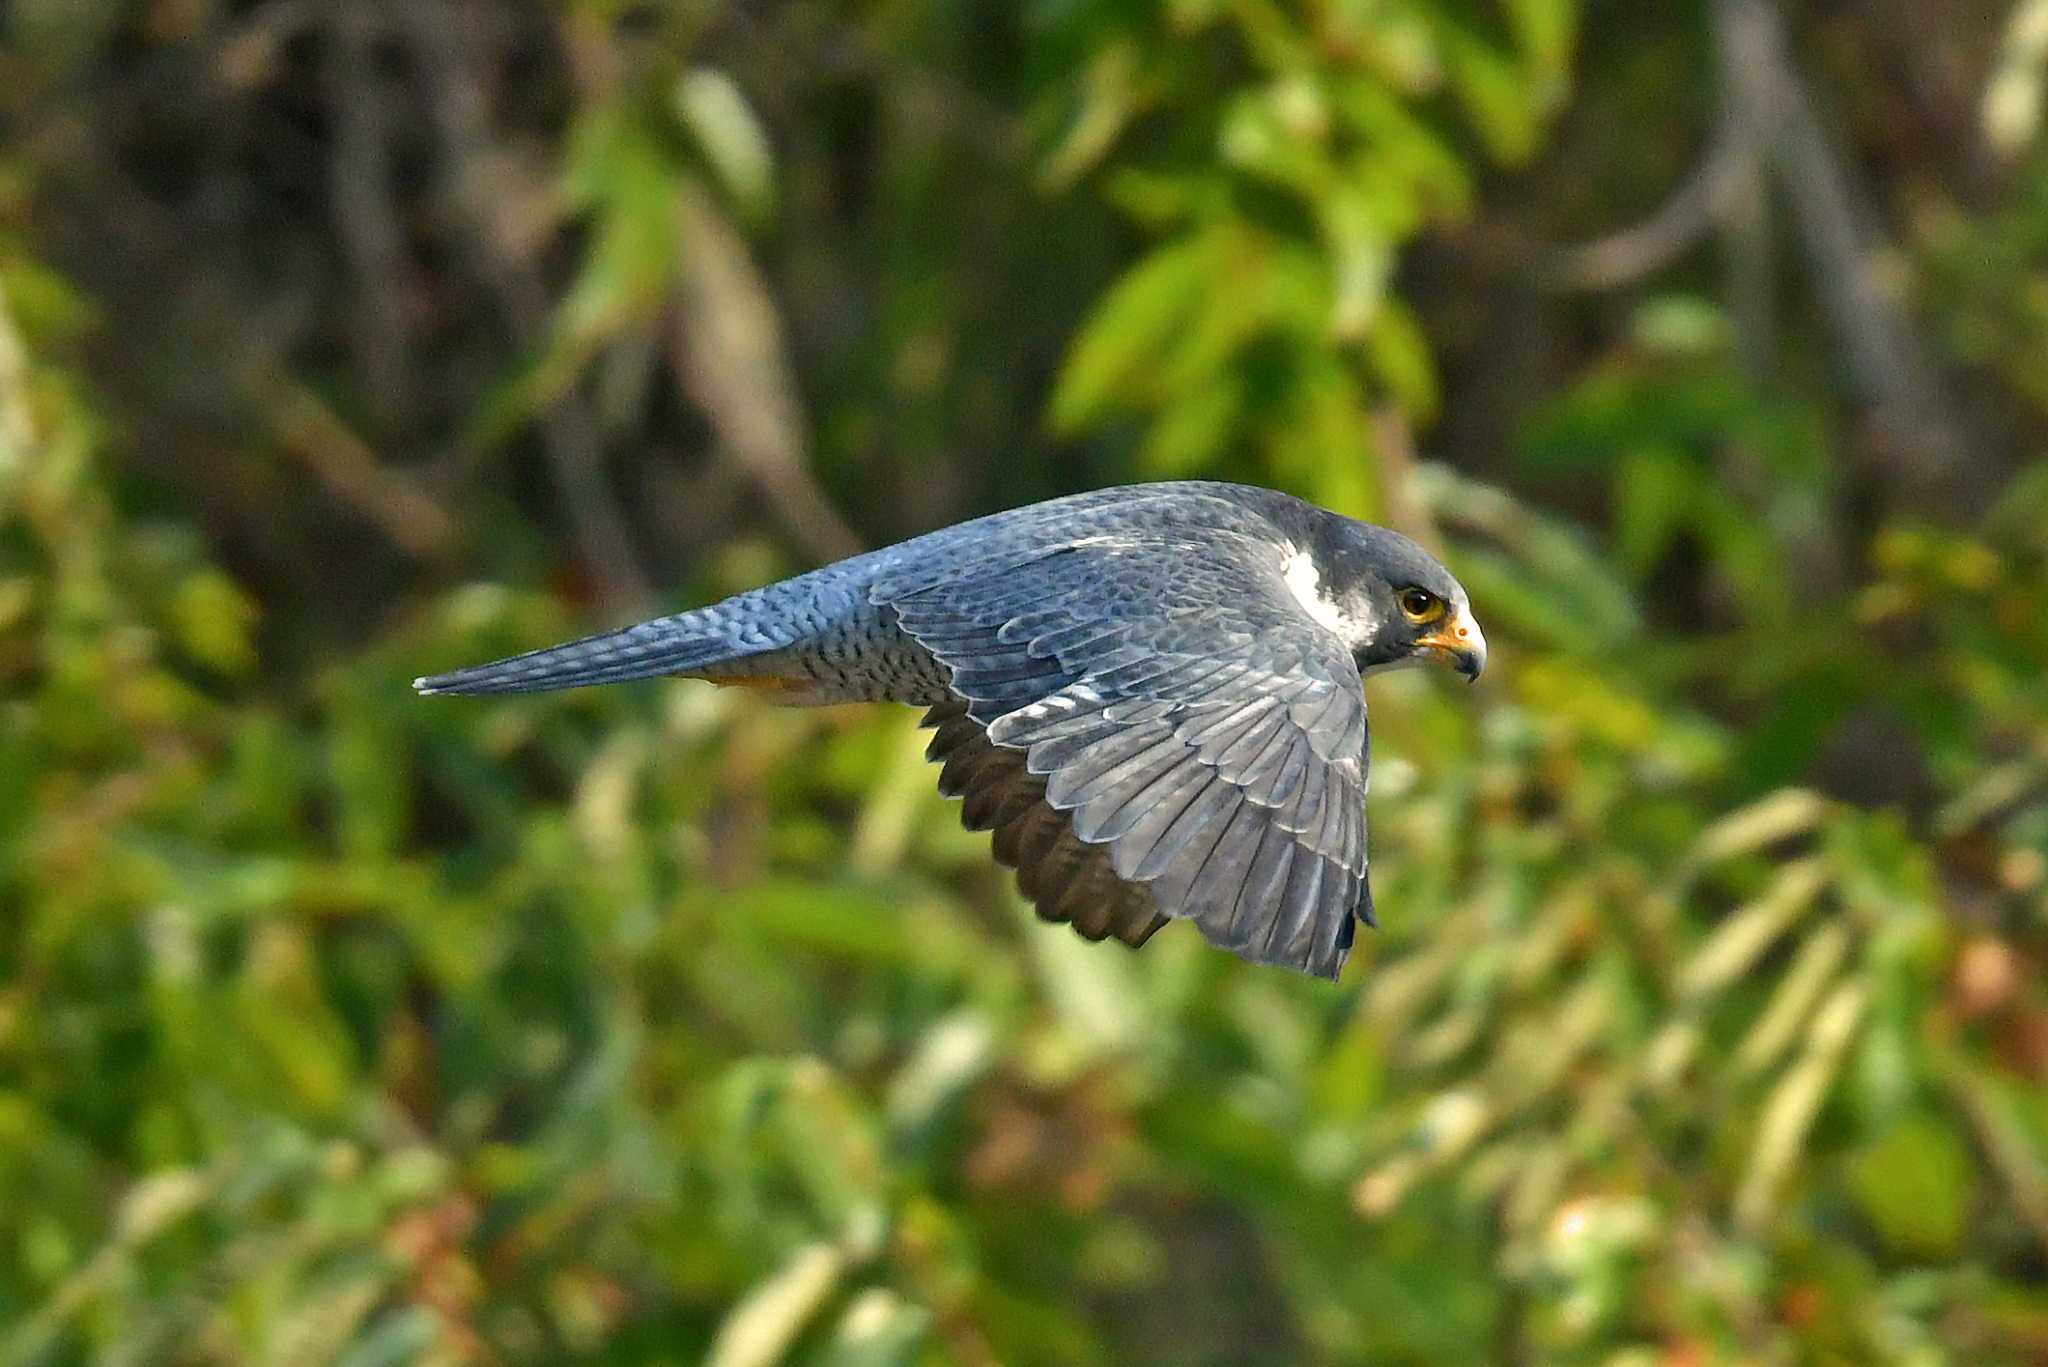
[342,342]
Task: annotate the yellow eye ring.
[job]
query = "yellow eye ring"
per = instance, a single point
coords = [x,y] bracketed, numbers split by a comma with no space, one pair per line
[1420,605]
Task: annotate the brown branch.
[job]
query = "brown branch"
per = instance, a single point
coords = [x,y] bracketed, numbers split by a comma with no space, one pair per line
[346,465]
[245,334]
[1927,452]
[1681,222]
[365,215]
[1748,255]
[569,435]
[1407,513]
[733,362]
[1768,119]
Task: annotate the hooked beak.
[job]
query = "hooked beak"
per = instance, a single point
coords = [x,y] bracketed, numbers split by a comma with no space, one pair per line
[1459,642]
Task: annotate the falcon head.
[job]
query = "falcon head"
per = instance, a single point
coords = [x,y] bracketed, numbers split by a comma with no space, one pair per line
[1387,598]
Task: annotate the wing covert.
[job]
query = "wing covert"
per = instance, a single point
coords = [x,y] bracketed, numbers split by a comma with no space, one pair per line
[1185,716]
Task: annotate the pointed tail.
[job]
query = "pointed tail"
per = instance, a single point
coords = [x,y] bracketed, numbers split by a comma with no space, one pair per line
[668,645]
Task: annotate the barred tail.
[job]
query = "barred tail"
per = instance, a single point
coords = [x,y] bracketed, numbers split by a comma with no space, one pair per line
[668,645]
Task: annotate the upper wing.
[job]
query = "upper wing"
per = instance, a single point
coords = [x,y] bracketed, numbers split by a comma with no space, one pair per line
[1184,711]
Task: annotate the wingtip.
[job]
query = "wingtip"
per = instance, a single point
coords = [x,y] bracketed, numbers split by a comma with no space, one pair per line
[424,686]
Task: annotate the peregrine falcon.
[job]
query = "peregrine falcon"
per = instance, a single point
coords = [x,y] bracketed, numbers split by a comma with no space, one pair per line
[1151,695]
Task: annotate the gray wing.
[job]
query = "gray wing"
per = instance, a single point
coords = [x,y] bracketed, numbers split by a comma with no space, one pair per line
[1155,731]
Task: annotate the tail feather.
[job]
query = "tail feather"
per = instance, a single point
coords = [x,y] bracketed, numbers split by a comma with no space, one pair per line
[670,645]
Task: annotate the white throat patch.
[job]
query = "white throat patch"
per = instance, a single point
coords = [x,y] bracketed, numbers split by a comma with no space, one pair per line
[1299,569]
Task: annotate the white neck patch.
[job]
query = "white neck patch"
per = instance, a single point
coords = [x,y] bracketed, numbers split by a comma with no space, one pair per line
[1299,569]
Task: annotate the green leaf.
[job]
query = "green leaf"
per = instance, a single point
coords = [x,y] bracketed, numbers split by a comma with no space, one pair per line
[1398,146]
[1496,96]
[1546,32]
[1109,96]
[1655,490]
[215,620]
[1128,331]
[735,145]
[879,1329]
[1322,443]
[1194,429]
[1916,1185]
[1682,326]
[369,765]
[761,1328]
[1361,260]
[1402,359]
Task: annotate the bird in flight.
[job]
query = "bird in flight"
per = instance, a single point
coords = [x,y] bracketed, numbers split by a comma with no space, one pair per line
[1151,694]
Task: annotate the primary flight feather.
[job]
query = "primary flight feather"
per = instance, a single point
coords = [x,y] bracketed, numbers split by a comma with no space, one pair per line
[1151,695]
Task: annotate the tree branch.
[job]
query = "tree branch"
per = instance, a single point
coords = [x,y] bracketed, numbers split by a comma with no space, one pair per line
[1684,219]
[569,434]
[367,219]
[346,465]
[1887,369]
[733,363]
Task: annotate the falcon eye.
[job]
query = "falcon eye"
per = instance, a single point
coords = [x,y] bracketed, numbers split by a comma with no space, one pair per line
[1421,605]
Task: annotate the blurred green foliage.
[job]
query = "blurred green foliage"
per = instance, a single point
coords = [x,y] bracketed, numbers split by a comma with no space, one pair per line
[342,344]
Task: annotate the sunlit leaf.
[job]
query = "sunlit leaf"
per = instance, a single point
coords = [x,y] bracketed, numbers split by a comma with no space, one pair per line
[1136,319]
[1915,1184]
[733,141]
